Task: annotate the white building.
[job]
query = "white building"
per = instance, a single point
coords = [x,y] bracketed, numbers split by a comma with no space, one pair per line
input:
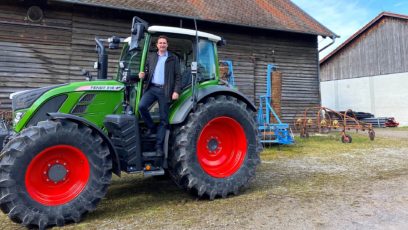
[369,71]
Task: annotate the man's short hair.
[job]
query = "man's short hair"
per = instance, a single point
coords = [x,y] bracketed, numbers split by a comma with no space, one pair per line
[164,37]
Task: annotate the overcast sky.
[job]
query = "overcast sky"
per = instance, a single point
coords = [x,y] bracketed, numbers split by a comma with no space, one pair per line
[345,17]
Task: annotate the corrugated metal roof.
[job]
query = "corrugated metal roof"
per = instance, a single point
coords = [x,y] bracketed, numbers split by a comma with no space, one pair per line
[280,15]
[365,29]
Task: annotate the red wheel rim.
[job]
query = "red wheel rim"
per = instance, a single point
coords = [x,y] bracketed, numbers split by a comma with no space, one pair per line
[221,147]
[57,175]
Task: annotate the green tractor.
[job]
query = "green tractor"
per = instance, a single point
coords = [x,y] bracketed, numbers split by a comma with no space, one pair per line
[67,140]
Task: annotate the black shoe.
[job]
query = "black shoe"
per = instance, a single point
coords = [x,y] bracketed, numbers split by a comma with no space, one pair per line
[159,152]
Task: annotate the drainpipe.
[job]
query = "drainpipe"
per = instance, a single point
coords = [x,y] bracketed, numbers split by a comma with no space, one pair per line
[333,38]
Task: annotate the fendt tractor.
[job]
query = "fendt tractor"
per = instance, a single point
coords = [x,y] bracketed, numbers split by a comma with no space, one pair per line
[67,140]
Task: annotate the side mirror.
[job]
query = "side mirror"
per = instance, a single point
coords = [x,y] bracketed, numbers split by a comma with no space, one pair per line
[137,32]
[222,42]
[114,42]
[136,37]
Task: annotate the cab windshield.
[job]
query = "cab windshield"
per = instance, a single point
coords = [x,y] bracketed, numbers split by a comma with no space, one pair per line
[130,61]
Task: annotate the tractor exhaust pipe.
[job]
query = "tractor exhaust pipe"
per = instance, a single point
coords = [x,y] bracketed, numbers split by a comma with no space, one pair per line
[102,64]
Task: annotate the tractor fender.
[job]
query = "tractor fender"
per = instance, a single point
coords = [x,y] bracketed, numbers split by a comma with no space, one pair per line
[211,91]
[83,121]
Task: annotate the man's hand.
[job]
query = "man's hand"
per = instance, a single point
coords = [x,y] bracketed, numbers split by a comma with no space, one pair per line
[175,96]
[141,75]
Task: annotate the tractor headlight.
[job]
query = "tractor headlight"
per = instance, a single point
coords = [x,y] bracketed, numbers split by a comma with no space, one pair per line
[17,117]
[24,99]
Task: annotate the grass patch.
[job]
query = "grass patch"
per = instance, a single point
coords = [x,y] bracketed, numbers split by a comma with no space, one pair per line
[403,128]
[328,144]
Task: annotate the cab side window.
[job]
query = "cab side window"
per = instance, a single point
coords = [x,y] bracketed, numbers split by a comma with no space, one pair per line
[206,60]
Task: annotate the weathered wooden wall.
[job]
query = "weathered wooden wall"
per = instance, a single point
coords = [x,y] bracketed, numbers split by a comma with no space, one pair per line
[32,55]
[51,52]
[295,57]
[54,51]
[383,49]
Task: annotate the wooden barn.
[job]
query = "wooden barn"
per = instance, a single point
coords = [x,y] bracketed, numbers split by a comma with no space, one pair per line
[369,71]
[49,42]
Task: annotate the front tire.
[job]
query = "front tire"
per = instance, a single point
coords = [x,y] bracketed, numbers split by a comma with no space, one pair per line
[53,173]
[216,151]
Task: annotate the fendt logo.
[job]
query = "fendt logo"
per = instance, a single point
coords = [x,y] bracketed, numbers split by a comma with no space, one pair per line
[100,88]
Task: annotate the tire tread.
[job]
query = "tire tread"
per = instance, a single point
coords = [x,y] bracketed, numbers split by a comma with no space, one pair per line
[41,217]
[180,166]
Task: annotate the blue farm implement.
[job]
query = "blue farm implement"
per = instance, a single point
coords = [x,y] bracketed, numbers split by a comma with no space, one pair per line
[272,133]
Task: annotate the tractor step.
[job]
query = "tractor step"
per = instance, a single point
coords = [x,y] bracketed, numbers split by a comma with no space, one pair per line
[133,169]
[147,171]
[151,154]
[148,145]
[156,172]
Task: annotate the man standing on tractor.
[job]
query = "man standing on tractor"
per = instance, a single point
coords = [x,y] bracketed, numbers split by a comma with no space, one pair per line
[162,85]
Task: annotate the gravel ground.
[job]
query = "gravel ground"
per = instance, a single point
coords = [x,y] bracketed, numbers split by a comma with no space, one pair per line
[358,189]
[367,190]
[391,133]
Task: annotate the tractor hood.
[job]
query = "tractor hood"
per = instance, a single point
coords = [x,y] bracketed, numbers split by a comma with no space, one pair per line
[24,99]
[85,99]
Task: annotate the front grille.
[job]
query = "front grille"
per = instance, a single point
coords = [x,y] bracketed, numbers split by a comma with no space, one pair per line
[83,104]
[87,98]
[79,109]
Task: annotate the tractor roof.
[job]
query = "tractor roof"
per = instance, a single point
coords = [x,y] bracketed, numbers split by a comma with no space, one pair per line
[176,30]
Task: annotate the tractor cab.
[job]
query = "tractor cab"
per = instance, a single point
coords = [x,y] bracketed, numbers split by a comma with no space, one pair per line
[182,43]
[193,48]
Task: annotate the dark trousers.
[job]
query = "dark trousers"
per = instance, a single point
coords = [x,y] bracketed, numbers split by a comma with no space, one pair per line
[151,95]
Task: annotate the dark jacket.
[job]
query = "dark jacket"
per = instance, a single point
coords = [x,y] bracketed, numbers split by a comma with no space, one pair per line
[172,77]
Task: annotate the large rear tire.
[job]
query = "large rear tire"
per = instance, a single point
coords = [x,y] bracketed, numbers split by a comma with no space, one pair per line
[53,173]
[216,151]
